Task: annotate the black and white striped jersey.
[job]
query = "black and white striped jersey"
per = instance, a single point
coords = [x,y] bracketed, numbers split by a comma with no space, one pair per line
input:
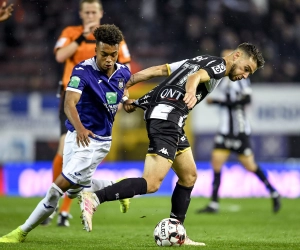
[232,99]
[165,101]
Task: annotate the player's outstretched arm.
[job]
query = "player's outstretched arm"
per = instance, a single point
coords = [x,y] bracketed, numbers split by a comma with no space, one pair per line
[146,74]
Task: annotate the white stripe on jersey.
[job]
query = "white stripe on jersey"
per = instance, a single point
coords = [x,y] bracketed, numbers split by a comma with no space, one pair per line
[74,90]
[161,111]
[176,65]
[236,90]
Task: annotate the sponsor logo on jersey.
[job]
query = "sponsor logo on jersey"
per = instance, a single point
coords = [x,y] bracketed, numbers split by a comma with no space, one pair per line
[74,82]
[171,94]
[219,68]
[77,173]
[121,83]
[111,97]
[113,108]
[79,68]
[164,151]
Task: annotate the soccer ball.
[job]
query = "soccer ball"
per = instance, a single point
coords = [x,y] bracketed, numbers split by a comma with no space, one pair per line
[169,232]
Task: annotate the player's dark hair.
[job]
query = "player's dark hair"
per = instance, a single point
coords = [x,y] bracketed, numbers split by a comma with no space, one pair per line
[253,52]
[109,34]
[90,1]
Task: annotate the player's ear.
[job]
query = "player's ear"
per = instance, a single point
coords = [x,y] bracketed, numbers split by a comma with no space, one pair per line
[236,55]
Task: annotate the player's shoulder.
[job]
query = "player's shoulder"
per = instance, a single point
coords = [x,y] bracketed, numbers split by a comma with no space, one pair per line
[85,66]
[214,59]
[123,68]
[73,30]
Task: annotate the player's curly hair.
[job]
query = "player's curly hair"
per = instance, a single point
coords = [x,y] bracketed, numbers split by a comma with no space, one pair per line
[253,52]
[109,34]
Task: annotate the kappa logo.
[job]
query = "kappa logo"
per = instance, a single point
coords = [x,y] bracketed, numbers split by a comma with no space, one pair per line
[79,68]
[198,97]
[164,151]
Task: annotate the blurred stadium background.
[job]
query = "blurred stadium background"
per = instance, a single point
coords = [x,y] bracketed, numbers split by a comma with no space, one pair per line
[156,32]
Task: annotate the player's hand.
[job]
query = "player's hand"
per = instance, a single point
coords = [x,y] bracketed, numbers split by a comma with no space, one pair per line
[83,137]
[190,99]
[128,107]
[5,11]
[89,27]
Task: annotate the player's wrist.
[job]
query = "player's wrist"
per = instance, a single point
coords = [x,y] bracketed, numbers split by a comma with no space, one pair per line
[80,39]
[124,99]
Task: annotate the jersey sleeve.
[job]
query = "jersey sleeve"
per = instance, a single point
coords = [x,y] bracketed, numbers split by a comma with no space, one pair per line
[215,68]
[77,82]
[64,39]
[124,55]
[246,86]
[175,65]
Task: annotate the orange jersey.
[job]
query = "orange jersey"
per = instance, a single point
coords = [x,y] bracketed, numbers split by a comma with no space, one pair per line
[84,51]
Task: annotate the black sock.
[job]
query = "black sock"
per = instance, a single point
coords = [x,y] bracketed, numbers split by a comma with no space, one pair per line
[263,178]
[126,188]
[216,185]
[181,198]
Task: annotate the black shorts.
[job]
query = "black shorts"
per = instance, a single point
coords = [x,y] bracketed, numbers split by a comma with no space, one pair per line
[62,115]
[166,138]
[239,144]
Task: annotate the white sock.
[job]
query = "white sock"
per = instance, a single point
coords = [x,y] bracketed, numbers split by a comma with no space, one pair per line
[44,209]
[214,204]
[98,185]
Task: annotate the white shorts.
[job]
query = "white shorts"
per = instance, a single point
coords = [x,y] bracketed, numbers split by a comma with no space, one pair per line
[80,163]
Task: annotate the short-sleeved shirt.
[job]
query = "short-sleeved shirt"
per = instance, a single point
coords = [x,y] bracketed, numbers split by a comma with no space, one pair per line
[165,101]
[84,51]
[100,96]
[233,119]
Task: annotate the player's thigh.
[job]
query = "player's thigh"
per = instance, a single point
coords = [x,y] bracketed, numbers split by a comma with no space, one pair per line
[80,163]
[218,158]
[248,162]
[61,144]
[185,168]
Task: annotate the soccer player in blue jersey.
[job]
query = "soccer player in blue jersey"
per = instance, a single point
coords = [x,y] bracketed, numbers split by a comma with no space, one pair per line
[166,107]
[93,94]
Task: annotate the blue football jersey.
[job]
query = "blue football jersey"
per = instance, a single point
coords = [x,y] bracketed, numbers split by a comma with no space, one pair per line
[100,96]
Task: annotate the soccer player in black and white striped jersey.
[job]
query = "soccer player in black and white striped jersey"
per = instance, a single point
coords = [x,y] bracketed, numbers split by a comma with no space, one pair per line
[166,108]
[233,136]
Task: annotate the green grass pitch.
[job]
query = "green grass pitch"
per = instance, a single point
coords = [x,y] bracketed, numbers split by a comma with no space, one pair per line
[242,224]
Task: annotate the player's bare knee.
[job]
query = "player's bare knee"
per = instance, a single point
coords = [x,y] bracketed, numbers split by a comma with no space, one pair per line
[189,179]
[153,186]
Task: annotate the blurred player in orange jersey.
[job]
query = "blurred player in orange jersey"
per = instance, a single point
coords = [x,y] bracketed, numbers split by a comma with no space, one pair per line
[75,44]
